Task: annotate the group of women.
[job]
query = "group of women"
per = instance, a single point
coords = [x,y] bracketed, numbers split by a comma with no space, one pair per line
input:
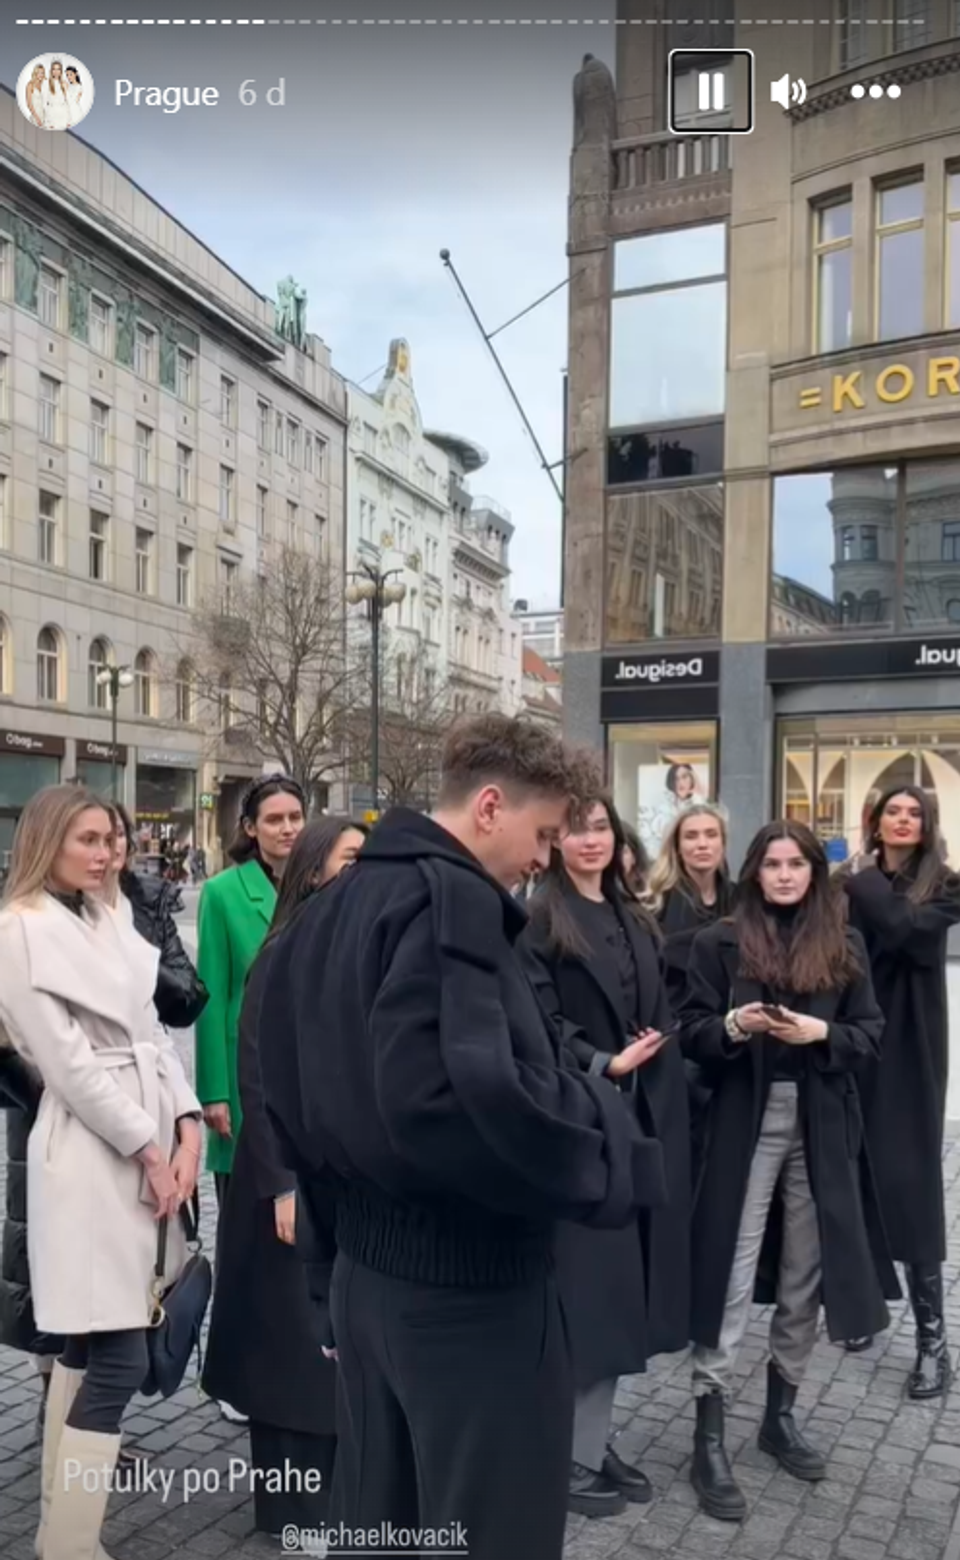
[786,1042]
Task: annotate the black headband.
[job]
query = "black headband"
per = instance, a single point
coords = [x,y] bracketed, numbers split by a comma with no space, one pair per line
[256,789]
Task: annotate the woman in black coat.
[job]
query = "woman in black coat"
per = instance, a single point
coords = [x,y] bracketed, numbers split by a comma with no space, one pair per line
[625,1293]
[689,887]
[780,1010]
[904,900]
[268,1352]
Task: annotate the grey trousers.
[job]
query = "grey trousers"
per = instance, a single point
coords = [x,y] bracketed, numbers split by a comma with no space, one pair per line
[778,1156]
[592,1419]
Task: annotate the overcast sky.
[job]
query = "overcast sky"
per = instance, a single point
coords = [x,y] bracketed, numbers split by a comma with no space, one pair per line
[394,142]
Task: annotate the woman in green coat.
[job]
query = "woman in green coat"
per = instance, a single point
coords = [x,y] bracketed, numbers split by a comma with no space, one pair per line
[236,908]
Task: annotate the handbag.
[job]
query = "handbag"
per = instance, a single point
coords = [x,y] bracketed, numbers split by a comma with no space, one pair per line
[177,1312]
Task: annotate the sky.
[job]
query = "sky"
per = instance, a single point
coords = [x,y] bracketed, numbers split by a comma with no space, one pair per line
[394,142]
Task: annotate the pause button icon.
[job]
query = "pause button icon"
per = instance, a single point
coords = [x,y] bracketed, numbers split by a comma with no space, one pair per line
[711,95]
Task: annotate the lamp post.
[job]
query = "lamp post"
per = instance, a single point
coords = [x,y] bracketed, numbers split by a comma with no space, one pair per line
[371,585]
[114,678]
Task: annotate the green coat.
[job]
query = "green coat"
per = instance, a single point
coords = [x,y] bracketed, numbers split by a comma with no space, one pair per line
[236,908]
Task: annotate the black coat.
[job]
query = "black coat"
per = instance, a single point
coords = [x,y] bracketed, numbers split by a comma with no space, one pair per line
[20,1091]
[625,1293]
[904,1095]
[415,1067]
[267,1327]
[180,996]
[741,1073]
[682,916]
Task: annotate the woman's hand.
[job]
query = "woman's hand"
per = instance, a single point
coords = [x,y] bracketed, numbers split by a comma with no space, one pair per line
[185,1165]
[646,1045]
[285,1218]
[799,1029]
[753,1019]
[162,1182]
[217,1118]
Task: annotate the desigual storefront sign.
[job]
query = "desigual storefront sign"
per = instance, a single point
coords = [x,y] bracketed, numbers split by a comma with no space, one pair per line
[891,385]
[672,684]
[874,659]
[29,743]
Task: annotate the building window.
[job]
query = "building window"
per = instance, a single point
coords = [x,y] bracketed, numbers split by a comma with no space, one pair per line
[144,562]
[869,544]
[262,523]
[48,666]
[664,564]
[185,375]
[4,538]
[900,269]
[184,473]
[98,662]
[229,574]
[369,440]
[950,542]
[228,400]
[6,658]
[99,543]
[278,434]
[225,703]
[308,453]
[143,346]
[184,693]
[320,529]
[49,528]
[184,576]
[320,460]
[50,297]
[101,326]
[669,327]
[293,442]
[292,523]
[833,276]
[99,432]
[4,385]
[6,267]
[49,409]
[853,33]
[263,425]
[144,453]
[952,311]
[911,24]
[226,494]
[145,684]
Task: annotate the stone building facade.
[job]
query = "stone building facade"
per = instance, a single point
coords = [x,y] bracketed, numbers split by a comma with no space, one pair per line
[762,553]
[157,439]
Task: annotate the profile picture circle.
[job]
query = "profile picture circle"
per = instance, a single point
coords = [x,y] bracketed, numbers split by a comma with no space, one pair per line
[55,91]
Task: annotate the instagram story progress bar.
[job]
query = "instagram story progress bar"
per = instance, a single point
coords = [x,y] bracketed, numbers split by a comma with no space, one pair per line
[711,91]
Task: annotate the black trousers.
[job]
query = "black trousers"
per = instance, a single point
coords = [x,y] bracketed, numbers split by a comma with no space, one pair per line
[116,1366]
[455,1406]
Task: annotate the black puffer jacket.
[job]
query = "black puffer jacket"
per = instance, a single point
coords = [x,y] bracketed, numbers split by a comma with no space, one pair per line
[180,996]
[20,1090]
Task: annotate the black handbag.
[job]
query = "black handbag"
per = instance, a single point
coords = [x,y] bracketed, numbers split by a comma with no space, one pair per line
[177,1312]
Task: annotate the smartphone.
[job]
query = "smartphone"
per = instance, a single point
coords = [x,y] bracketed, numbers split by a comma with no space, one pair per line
[773,1011]
[670,1034]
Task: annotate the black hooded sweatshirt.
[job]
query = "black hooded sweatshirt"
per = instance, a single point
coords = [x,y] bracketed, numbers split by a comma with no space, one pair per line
[415,1079]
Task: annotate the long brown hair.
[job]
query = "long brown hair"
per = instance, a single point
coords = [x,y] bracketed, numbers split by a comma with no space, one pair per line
[819,956]
[550,909]
[926,871]
[41,831]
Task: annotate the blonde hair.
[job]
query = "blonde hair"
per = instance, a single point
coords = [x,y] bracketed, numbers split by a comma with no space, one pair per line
[668,871]
[39,839]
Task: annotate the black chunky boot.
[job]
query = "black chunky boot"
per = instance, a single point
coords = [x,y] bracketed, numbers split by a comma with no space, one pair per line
[779,1436]
[711,1475]
[930,1376]
[592,1494]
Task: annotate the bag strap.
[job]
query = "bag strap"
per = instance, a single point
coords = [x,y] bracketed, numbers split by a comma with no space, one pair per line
[190,1219]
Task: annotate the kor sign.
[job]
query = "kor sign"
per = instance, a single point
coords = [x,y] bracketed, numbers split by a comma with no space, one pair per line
[895,383]
[630,671]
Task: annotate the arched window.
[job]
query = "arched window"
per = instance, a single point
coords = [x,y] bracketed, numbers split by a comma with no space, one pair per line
[871,607]
[848,607]
[49,678]
[185,693]
[6,657]
[98,693]
[145,684]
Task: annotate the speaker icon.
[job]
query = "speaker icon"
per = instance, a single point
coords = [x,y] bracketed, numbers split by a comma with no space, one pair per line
[788,93]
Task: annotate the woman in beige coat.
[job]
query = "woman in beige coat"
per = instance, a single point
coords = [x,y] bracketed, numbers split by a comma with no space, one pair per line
[116,1144]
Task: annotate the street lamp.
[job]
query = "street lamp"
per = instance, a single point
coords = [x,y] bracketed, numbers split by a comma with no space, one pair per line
[114,678]
[372,587]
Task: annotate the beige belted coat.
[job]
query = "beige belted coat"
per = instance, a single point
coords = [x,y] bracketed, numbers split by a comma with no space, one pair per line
[76,1000]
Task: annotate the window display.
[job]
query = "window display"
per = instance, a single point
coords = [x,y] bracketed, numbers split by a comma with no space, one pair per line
[657,770]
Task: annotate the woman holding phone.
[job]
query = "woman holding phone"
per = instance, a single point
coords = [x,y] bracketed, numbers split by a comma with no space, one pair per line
[780,1010]
[625,1292]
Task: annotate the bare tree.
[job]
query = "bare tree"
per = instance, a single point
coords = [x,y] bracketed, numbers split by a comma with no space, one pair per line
[416,710]
[272,657]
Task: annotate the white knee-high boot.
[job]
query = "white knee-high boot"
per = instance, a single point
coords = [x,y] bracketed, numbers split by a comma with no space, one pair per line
[64,1386]
[81,1488]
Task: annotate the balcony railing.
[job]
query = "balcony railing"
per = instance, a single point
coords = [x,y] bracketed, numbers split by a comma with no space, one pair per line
[650,160]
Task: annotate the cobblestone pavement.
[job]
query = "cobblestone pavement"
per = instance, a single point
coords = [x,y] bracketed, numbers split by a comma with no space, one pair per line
[892,1493]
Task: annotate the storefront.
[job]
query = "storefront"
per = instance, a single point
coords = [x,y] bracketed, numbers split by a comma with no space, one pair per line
[659,712]
[95,767]
[28,762]
[853,719]
[166,802]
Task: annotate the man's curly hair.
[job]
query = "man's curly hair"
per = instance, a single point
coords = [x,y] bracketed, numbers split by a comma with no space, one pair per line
[518,754]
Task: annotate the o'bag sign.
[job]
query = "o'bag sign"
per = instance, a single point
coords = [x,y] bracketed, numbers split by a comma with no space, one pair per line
[679,683]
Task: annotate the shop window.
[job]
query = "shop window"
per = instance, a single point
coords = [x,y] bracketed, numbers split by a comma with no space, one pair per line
[830,572]
[657,770]
[664,564]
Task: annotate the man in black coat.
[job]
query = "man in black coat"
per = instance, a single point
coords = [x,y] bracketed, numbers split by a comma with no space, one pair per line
[410,1065]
